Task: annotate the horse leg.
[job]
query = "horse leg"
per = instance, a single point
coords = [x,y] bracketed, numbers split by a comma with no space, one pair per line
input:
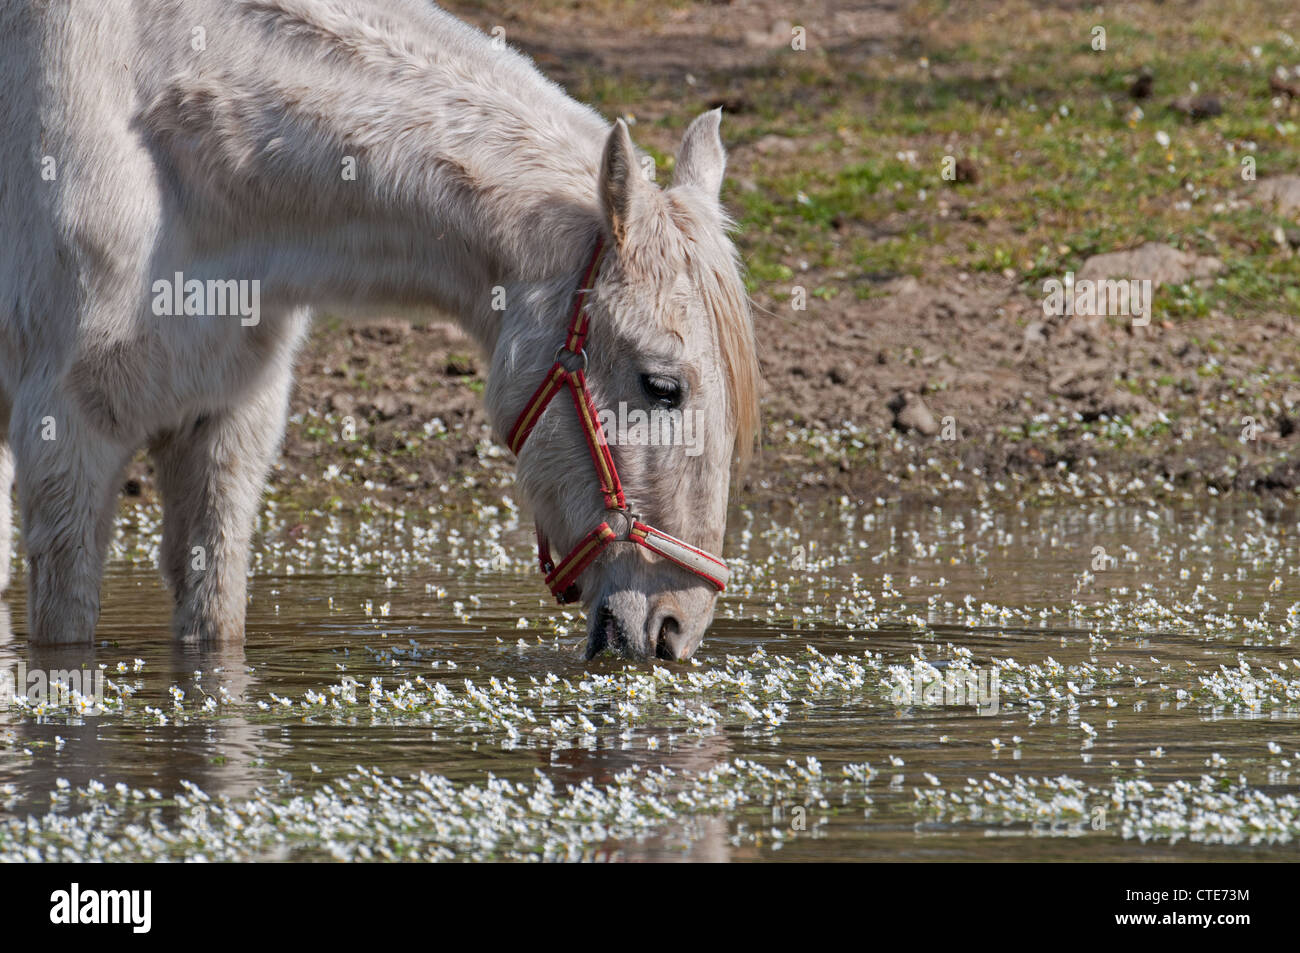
[211,474]
[69,473]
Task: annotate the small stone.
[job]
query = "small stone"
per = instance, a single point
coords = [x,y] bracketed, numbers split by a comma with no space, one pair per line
[385,331]
[341,403]
[730,104]
[1141,88]
[386,406]
[1160,263]
[1198,107]
[1279,85]
[775,144]
[911,413]
[1036,333]
[461,365]
[1280,194]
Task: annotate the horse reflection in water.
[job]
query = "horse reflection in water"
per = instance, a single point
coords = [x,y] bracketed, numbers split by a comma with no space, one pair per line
[232,757]
[694,838]
[217,755]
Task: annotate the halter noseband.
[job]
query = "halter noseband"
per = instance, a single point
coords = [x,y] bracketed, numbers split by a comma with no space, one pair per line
[562,577]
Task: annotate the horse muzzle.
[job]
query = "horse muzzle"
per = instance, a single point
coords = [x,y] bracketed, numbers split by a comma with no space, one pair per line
[667,625]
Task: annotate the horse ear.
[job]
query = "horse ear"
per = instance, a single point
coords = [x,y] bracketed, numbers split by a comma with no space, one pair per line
[701,160]
[621,181]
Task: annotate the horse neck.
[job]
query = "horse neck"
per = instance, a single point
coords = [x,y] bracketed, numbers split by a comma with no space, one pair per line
[389,157]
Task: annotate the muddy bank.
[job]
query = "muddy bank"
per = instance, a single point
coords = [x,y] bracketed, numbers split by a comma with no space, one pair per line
[962,387]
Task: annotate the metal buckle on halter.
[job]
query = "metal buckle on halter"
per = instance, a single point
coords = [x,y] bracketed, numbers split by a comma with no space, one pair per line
[627,514]
[561,350]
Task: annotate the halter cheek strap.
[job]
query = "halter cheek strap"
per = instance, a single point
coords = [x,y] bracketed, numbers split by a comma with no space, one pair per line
[562,577]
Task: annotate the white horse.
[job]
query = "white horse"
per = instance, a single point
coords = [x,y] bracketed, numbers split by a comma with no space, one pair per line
[185,180]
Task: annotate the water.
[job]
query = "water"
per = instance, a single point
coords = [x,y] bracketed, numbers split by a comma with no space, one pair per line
[1122,727]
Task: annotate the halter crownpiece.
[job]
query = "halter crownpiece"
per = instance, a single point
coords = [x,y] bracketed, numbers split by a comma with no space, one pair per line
[562,577]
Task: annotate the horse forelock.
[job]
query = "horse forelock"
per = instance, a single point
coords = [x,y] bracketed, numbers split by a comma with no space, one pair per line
[681,235]
[713,268]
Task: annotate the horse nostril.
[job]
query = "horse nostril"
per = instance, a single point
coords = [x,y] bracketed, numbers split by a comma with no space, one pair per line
[669,629]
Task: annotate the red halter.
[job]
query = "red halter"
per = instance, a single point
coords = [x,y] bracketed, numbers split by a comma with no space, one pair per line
[562,578]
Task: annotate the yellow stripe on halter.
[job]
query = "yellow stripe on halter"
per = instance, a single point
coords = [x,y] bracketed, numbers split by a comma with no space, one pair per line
[597,439]
[536,408]
[579,555]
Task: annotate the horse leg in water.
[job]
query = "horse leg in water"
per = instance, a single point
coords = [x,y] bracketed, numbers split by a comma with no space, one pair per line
[69,473]
[211,474]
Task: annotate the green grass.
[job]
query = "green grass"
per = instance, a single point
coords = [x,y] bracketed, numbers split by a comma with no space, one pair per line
[1067,168]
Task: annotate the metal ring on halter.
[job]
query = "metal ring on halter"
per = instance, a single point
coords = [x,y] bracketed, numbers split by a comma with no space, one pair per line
[628,515]
[564,350]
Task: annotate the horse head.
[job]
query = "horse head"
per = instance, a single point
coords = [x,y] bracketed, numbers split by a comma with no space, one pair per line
[651,336]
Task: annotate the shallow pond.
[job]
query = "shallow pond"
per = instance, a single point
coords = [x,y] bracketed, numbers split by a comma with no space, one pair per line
[985,681]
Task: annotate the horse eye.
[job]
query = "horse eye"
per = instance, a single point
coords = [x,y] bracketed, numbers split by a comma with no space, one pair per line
[662,390]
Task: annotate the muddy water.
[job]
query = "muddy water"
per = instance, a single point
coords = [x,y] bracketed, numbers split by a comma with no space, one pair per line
[407,692]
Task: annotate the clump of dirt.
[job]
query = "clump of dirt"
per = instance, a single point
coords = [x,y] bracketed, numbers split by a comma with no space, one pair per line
[969,373]
[393,403]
